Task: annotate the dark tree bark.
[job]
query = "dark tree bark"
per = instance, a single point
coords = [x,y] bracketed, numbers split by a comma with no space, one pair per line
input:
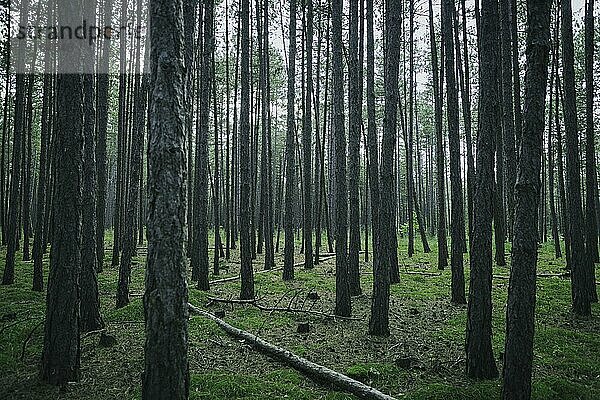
[90,301]
[129,242]
[372,140]
[266,156]
[480,357]
[247,273]
[189,28]
[290,146]
[553,216]
[458,217]
[121,140]
[440,154]
[61,348]
[591,179]
[343,305]
[199,254]
[307,140]
[354,127]
[103,87]
[579,261]
[516,75]
[379,321]
[520,313]
[166,374]
[14,204]
[561,173]
[42,192]
[508,122]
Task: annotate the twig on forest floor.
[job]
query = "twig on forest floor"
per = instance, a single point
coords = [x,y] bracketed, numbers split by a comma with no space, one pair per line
[86,334]
[261,307]
[540,275]
[28,339]
[5,327]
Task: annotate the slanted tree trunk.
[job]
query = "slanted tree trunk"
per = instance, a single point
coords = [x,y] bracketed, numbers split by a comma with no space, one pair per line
[61,348]
[480,357]
[458,217]
[166,374]
[579,262]
[343,305]
[520,313]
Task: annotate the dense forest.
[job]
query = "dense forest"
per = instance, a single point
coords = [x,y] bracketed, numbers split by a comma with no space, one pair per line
[307,199]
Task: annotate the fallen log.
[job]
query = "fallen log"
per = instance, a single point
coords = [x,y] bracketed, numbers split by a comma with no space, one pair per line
[318,372]
[540,275]
[261,307]
[421,273]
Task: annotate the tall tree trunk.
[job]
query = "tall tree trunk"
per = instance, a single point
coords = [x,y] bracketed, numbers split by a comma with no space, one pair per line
[372,141]
[290,146]
[440,154]
[90,302]
[61,349]
[343,305]
[480,357]
[166,370]
[189,33]
[579,261]
[354,125]
[247,273]
[199,256]
[458,217]
[307,140]
[103,88]
[379,321]
[508,122]
[14,204]
[591,179]
[553,217]
[520,313]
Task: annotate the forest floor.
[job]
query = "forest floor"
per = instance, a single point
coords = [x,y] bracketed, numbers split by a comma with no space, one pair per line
[422,359]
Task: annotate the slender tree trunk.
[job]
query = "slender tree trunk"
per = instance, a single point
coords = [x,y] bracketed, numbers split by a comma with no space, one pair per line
[591,179]
[290,145]
[247,273]
[14,204]
[520,313]
[90,301]
[354,118]
[579,261]
[373,142]
[458,218]
[343,305]
[553,217]
[480,357]
[439,146]
[508,123]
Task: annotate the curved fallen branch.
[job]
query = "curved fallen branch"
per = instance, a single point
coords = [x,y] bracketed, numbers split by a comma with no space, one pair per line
[253,302]
[315,371]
